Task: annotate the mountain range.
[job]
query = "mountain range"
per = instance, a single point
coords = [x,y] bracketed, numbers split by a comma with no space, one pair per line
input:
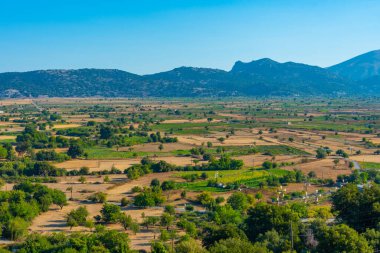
[265,77]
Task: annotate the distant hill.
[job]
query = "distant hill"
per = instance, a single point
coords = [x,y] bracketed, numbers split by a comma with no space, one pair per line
[263,77]
[360,67]
[73,83]
[189,82]
[266,76]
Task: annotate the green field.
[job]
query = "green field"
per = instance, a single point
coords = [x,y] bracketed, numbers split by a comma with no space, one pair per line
[369,165]
[106,153]
[248,177]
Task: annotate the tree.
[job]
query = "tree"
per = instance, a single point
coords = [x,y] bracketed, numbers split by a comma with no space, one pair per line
[166,220]
[189,227]
[44,169]
[341,238]
[312,174]
[235,245]
[207,157]
[321,153]
[55,117]
[70,189]
[150,221]
[359,209]
[125,221]
[114,241]
[164,235]
[98,197]
[159,247]
[206,200]
[264,217]
[59,198]
[189,208]
[102,241]
[3,152]
[106,179]
[219,199]
[10,152]
[155,183]
[89,224]
[189,246]
[267,165]
[215,233]
[22,147]
[82,179]
[258,196]
[227,215]
[173,235]
[110,213]
[77,217]
[75,150]
[124,201]
[105,132]
[341,153]
[373,238]
[84,170]
[161,147]
[168,186]
[169,209]
[72,222]
[221,139]
[148,198]
[17,228]
[135,227]
[225,163]
[45,201]
[274,242]
[238,201]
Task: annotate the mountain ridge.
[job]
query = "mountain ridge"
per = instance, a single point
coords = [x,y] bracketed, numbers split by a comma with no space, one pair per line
[262,77]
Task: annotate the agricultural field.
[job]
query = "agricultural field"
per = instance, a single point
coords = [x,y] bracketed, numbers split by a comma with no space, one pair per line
[162,170]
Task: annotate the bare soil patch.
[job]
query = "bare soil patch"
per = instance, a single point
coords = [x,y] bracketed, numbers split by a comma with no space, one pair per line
[63,126]
[323,168]
[126,188]
[234,140]
[7,137]
[366,158]
[257,160]
[98,165]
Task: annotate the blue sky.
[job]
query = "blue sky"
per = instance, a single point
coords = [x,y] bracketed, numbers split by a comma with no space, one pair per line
[147,36]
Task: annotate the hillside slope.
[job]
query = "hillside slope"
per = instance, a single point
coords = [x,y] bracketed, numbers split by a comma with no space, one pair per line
[360,67]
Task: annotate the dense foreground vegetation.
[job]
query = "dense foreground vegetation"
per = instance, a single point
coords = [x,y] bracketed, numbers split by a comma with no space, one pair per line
[241,225]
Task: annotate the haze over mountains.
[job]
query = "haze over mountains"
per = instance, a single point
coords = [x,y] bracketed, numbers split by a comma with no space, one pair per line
[264,77]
